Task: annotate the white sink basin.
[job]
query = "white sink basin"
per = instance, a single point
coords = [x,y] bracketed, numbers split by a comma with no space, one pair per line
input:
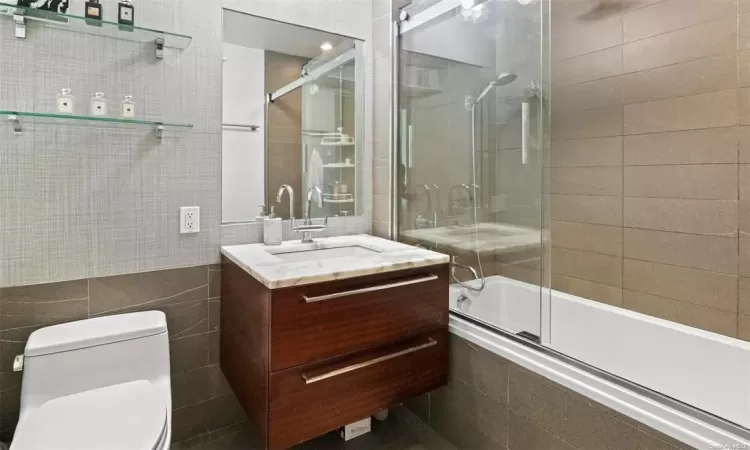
[292,256]
[295,263]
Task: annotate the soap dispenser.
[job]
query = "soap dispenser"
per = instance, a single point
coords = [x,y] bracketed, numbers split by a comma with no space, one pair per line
[273,229]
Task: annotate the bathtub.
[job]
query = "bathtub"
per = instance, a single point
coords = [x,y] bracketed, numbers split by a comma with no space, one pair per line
[708,371]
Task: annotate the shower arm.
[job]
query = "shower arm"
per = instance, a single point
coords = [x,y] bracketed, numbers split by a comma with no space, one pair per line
[482,94]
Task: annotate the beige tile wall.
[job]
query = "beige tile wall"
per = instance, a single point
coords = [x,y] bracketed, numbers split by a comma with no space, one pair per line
[649,181]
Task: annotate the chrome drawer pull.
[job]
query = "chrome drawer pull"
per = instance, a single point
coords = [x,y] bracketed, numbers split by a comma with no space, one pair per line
[362,365]
[370,289]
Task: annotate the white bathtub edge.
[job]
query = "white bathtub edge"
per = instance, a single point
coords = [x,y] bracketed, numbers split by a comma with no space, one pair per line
[643,409]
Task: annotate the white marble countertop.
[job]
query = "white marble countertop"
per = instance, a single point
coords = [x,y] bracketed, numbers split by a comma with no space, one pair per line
[490,238]
[259,261]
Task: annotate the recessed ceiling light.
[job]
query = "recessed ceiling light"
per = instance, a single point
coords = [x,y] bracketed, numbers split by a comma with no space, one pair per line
[326,46]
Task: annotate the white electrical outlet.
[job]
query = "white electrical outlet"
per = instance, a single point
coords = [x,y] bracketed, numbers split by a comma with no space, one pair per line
[190,219]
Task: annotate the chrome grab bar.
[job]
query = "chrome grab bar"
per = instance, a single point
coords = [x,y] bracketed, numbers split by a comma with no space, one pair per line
[370,289]
[362,365]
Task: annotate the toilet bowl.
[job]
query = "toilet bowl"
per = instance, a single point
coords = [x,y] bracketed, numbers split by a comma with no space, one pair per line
[97,384]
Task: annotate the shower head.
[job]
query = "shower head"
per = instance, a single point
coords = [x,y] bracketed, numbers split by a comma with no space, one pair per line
[502,79]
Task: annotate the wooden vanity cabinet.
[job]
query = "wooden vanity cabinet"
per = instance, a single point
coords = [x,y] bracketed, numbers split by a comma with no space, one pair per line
[309,359]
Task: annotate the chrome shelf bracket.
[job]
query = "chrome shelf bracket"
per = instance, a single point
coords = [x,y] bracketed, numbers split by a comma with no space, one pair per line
[17,130]
[159,132]
[159,48]
[20,22]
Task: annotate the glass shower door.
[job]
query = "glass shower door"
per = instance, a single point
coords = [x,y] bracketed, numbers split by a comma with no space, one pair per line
[469,157]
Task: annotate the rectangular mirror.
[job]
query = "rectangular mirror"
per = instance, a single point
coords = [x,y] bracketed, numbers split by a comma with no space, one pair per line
[293,115]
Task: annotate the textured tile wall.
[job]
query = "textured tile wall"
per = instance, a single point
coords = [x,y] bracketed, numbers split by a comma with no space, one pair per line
[81,201]
[492,403]
[201,398]
[647,178]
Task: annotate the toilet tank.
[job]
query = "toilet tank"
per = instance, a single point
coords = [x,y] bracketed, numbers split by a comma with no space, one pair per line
[88,354]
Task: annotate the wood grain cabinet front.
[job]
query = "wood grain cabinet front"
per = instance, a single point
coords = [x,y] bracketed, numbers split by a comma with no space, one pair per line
[307,360]
[328,319]
[313,399]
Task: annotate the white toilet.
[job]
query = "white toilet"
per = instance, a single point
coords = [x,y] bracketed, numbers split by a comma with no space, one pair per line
[97,384]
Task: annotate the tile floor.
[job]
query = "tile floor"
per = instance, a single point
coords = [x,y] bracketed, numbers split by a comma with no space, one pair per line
[401,431]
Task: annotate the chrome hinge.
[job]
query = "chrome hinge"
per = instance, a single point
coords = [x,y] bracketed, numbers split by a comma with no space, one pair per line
[17,129]
[20,26]
[18,363]
[159,48]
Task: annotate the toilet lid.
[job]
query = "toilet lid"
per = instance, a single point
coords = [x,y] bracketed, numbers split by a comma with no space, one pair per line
[128,416]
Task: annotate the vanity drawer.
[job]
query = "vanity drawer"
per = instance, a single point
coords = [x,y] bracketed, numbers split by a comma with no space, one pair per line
[316,398]
[313,322]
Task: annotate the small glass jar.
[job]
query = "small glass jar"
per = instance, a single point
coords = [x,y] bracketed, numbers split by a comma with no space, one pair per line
[127,107]
[98,104]
[65,101]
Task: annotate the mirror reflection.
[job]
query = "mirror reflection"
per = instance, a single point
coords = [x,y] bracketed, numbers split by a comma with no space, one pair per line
[293,124]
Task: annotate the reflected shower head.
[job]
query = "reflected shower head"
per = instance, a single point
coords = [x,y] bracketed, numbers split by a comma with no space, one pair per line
[601,9]
[502,79]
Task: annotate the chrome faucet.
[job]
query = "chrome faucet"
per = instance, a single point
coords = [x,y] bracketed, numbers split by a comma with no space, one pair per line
[310,192]
[429,195]
[280,194]
[438,206]
[470,190]
[307,227]
[421,221]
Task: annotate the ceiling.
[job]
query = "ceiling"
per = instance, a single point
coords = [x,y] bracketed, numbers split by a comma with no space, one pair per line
[266,34]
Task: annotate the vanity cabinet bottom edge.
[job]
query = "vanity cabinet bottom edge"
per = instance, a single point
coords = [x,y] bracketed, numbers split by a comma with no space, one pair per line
[310,400]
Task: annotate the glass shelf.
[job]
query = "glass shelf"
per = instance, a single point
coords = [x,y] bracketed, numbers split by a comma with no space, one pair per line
[103,27]
[15,118]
